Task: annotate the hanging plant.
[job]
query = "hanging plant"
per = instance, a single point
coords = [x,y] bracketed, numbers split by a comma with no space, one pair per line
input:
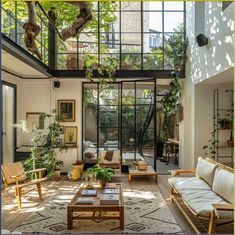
[172,99]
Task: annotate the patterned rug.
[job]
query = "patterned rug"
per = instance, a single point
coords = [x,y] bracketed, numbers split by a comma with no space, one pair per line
[145,212]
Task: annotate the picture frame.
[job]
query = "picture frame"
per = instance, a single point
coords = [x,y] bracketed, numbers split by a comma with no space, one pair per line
[70,136]
[66,110]
[58,142]
[35,120]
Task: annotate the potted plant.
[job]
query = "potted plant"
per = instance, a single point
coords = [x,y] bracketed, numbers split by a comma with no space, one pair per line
[102,174]
[43,151]
[225,123]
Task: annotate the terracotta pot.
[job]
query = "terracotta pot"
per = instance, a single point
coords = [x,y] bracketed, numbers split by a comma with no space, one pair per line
[102,183]
[57,174]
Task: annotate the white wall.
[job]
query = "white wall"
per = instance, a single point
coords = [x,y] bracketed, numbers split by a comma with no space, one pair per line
[217,56]
[38,95]
[203,64]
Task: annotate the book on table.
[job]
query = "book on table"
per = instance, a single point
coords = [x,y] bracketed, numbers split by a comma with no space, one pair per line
[84,201]
[111,191]
[109,199]
[89,192]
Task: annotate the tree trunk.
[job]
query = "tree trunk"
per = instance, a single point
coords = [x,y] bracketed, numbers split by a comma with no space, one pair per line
[84,17]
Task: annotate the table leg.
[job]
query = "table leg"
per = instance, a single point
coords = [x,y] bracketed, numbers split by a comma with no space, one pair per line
[156,178]
[69,218]
[129,177]
[121,215]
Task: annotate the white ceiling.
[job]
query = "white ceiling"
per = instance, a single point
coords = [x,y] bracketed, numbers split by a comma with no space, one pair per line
[18,67]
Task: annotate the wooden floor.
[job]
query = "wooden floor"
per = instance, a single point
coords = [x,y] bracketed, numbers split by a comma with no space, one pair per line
[12,217]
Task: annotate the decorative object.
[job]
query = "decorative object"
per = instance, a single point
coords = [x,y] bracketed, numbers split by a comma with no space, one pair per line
[58,142]
[43,146]
[70,136]
[77,170]
[142,165]
[35,120]
[66,110]
[142,215]
[61,130]
[102,174]
[225,123]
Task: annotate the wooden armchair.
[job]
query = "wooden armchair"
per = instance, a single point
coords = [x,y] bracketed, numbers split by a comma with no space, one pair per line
[13,173]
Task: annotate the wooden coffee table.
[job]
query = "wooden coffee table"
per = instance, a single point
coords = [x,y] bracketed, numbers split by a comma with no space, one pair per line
[135,172]
[95,208]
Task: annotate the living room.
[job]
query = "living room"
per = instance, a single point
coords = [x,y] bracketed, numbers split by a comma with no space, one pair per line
[116,108]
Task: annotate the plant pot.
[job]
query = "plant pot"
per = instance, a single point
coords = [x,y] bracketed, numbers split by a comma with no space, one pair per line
[230,143]
[102,183]
[160,146]
[57,174]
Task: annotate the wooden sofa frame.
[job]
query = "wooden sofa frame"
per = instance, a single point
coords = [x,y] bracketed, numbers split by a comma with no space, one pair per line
[175,196]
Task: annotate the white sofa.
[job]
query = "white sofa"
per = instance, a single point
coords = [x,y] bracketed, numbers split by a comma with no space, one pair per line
[209,194]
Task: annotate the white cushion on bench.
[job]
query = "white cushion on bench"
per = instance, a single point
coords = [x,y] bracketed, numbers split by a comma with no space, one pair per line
[188,183]
[223,184]
[206,170]
[201,200]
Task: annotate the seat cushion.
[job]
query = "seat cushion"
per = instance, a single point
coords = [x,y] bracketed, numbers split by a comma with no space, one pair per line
[115,157]
[206,170]
[201,200]
[223,184]
[188,183]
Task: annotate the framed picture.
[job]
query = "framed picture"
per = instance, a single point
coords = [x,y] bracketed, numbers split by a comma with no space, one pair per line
[58,142]
[35,119]
[61,129]
[66,110]
[70,136]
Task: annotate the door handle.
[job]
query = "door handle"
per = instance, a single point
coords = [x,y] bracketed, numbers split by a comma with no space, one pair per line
[4,133]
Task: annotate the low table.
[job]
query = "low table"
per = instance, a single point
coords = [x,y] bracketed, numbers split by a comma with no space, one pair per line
[135,172]
[96,208]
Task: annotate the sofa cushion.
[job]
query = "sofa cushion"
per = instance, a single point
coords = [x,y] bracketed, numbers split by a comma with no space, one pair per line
[115,158]
[223,184]
[188,183]
[201,200]
[206,170]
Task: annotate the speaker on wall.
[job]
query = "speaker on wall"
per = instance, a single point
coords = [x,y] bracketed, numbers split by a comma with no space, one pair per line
[56,84]
[202,40]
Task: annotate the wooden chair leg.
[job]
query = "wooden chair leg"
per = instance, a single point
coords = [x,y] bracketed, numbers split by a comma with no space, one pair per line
[211,223]
[18,197]
[39,190]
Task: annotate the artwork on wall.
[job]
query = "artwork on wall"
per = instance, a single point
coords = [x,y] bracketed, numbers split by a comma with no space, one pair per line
[66,110]
[35,120]
[70,136]
[58,142]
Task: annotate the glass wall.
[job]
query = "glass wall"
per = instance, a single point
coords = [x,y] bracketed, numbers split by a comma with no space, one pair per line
[134,33]
[119,116]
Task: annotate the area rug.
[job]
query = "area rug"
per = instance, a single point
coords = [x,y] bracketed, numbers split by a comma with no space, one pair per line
[145,212]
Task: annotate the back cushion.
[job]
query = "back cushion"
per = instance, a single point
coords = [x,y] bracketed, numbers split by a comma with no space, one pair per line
[206,170]
[223,184]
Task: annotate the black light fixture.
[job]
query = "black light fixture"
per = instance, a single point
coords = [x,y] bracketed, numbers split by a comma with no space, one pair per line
[202,40]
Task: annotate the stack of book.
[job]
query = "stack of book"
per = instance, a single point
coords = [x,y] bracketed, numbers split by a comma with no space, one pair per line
[85,201]
[110,195]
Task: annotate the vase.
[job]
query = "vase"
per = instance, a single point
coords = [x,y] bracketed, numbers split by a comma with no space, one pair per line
[102,183]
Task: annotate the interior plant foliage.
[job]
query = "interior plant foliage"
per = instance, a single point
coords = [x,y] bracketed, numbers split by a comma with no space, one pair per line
[43,151]
[170,101]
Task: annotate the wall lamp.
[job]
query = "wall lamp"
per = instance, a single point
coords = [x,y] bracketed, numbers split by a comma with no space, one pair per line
[202,40]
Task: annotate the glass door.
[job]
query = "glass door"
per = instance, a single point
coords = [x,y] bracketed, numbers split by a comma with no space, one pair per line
[9,118]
